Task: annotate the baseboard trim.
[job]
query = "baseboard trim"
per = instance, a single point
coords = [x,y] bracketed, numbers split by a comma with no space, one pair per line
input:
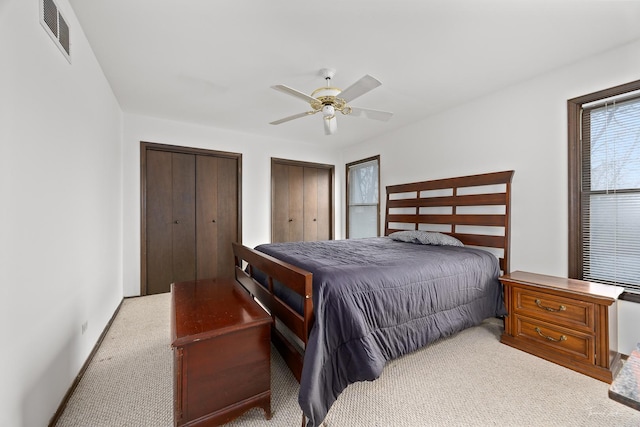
[76,381]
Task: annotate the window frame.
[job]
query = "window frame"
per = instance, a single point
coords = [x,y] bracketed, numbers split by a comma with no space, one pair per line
[574,107]
[347,205]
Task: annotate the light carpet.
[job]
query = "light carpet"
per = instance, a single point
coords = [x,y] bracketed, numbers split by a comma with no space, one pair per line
[470,379]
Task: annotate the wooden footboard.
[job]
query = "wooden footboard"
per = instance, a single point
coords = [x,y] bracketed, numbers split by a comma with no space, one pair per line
[296,279]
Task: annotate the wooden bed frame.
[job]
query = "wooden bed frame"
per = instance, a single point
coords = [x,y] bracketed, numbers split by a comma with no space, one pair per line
[475,209]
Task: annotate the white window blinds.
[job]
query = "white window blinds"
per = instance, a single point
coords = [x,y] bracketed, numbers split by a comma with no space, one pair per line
[611,193]
[363,198]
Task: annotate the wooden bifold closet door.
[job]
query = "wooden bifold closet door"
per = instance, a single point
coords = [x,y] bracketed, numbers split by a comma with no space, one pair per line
[301,201]
[190,215]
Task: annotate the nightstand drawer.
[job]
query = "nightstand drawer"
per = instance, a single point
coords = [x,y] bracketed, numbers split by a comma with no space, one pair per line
[555,309]
[566,341]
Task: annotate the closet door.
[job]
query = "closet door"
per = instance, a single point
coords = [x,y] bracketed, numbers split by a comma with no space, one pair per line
[310,204]
[301,201]
[279,203]
[216,215]
[287,206]
[159,214]
[170,219]
[207,216]
[296,204]
[324,179]
[190,215]
[228,214]
[184,217]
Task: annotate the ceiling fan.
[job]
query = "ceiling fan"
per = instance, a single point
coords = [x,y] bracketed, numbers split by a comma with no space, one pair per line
[331,100]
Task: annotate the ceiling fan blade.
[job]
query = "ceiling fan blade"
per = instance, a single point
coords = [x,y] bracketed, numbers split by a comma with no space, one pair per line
[293,92]
[295,116]
[371,114]
[330,125]
[359,88]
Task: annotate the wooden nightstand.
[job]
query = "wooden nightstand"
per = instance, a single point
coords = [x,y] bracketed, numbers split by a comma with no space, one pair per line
[222,352]
[569,322]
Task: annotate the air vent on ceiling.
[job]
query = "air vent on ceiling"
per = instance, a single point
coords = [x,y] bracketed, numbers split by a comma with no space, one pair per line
[55,25]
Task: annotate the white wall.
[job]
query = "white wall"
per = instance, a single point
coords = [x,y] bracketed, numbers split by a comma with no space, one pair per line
[628,321]
[61,211]
[523,128]
[256,177]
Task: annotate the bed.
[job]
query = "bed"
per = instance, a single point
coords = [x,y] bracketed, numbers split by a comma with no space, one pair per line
[343,308]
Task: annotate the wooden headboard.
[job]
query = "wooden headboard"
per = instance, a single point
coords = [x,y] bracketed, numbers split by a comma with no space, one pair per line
[475,209]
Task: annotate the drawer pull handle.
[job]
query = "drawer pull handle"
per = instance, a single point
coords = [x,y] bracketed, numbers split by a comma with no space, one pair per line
[562,337]
[561,308]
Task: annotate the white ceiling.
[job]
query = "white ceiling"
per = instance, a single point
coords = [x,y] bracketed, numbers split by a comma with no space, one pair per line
[213,62]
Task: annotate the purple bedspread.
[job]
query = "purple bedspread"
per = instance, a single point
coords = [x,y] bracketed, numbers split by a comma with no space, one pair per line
[377,299]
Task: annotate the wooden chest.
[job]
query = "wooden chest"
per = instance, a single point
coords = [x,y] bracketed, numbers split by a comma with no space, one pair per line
[222,354]
[569,322]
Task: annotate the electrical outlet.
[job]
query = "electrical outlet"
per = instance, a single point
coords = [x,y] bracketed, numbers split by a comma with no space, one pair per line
[84,326]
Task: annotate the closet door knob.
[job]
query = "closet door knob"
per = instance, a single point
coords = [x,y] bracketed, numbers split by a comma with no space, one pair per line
[290,219]
[213,220]
[314,219]
[177,222]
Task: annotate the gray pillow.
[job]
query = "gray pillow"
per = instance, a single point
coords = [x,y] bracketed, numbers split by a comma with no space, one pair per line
[425,238]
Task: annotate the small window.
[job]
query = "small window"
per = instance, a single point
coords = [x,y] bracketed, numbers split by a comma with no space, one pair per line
[363,198]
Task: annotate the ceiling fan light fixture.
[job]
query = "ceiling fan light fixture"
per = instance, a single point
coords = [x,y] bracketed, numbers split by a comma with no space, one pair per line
[328,111]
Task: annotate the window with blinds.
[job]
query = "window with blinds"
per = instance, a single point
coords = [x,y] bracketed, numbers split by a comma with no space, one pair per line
[610,190]
[363,198]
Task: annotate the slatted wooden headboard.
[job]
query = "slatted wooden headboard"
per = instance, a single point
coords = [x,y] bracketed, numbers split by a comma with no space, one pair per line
[475,209]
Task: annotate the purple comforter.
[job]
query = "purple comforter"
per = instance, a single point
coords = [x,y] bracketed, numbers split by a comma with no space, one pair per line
[377,299]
